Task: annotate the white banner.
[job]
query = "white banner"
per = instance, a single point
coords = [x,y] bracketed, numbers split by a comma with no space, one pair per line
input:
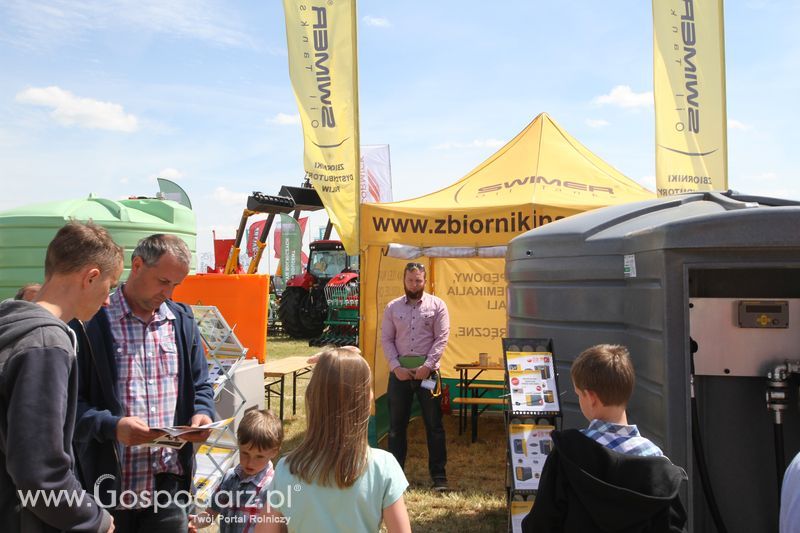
[376,174]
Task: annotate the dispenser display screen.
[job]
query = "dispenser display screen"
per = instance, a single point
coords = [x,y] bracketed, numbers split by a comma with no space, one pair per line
[764,314]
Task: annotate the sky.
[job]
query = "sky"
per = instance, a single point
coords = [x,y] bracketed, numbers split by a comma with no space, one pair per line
[104,96]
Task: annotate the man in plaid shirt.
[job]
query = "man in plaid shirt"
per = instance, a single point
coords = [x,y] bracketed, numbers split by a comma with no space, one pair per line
[141,365]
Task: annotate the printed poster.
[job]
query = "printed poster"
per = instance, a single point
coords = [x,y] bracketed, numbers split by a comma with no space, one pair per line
[532,383]
[529,446]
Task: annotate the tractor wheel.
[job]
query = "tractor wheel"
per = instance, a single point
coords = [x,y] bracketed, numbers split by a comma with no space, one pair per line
[298,316]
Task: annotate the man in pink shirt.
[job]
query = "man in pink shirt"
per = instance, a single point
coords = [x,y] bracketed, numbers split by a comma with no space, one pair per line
[415,330]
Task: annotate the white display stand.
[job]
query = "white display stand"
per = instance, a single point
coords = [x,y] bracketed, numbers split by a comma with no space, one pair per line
[226,357]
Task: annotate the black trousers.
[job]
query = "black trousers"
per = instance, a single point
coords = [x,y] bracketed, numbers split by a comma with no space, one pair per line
[401,395]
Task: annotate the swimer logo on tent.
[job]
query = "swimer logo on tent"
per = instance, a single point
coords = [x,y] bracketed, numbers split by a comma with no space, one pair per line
[511,184]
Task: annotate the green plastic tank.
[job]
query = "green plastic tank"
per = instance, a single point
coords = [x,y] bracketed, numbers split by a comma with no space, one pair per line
[26,231]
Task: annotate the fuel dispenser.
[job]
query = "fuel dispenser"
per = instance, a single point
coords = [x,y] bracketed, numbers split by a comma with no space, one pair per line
[704,289]
[747,338]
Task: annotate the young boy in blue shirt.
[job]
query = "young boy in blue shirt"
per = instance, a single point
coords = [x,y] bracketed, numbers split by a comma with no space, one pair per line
[241,495]
[608,476]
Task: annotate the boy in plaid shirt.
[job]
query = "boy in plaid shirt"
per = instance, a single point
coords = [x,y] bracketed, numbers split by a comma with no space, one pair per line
[606,477]
[241,494]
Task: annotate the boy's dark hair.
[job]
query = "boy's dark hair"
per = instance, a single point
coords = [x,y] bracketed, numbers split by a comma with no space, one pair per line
[78,244]
[261,429]
[22,290]
[606,370]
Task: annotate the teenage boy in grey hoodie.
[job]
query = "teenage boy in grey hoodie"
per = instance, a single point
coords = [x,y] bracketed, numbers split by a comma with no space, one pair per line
[38,386]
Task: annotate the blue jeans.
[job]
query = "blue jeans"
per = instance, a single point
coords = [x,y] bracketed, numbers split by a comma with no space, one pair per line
[401,395]
[170,519]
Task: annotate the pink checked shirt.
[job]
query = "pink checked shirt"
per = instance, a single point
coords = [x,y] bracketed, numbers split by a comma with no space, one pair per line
[147,380]
[419,329]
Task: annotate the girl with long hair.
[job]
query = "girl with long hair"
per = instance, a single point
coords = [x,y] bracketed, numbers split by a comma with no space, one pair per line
[333,481]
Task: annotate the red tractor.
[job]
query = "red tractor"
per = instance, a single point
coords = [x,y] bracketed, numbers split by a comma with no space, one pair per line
[322,303]
[308,304]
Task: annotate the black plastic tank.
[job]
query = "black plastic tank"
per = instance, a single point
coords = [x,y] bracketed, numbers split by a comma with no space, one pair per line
[652,274]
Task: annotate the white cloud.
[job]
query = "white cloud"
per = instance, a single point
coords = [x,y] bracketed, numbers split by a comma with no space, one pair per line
[764,176]
[737,125]
[648,182]
[596,123]
[168,173]
[477,143]
[227,197]
[49,23]
[623,96]
[376,22]
[283,119]
[71,110]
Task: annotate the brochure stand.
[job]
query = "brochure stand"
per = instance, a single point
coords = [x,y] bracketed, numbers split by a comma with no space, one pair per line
[224,352]
[533,413]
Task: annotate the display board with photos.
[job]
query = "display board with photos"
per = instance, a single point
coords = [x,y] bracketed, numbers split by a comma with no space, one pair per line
[529,445]
[532,378]
[533,412]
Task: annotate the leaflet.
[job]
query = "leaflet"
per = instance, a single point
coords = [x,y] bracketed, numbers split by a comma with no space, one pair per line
[530,445]
[532,382]
[173,435]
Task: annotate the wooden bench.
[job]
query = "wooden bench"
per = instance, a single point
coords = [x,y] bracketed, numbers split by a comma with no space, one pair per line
[477,390]
[489,386]
[474,403]
[275,373]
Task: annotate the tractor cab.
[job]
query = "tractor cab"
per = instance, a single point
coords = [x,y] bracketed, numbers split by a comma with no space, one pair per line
[327,259]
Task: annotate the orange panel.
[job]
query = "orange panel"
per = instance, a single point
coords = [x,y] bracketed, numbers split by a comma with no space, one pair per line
[243,299]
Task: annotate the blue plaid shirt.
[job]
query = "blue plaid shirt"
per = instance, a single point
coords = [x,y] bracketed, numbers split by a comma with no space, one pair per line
[621,438]
[239,499]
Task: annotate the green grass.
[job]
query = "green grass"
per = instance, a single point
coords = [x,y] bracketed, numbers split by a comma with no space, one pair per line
[280,346]
[476,472]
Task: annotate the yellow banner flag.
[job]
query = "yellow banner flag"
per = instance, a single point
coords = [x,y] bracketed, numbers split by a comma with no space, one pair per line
[321,36]
[689,82]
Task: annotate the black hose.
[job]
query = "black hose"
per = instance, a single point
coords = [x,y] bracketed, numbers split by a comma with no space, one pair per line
[705,479]
[699,452]
[780,465]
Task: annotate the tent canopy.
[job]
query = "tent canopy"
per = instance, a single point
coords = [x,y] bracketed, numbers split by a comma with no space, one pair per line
[541,175]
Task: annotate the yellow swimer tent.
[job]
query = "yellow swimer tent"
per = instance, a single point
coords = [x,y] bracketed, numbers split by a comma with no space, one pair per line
[541,175]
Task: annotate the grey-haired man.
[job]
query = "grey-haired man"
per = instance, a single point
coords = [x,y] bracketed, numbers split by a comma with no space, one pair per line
[141,366]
